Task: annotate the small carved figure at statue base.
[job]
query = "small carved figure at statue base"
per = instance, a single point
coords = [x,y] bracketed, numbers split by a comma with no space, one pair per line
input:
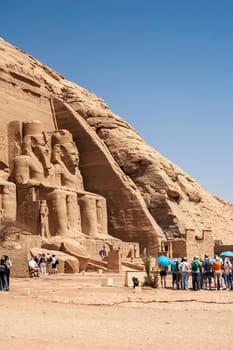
[44,223]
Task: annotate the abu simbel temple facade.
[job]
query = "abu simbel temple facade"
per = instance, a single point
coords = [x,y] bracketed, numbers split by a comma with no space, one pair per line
[75,177]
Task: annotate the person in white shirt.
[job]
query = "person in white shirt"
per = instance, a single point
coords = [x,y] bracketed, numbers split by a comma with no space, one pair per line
[184,266]
[33,267]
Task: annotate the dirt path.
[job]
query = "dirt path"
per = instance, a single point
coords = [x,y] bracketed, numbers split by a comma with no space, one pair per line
[75,312]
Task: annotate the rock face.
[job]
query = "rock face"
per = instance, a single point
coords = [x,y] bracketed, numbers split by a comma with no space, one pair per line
[149,199]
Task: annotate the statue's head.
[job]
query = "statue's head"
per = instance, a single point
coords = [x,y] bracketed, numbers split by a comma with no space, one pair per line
[64,148]
[39,145]
[35,140]
[69,154]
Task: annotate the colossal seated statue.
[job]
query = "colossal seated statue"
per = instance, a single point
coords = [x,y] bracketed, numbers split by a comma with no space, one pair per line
[33,166]
[65,158]
[48,179]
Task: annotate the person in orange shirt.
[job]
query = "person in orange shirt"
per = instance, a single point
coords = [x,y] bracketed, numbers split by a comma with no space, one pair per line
[217,268]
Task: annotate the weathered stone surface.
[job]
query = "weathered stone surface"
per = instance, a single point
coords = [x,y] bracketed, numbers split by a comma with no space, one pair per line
[148,197]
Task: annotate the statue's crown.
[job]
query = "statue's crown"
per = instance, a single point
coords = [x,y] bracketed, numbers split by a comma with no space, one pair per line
[32,127]
[61,136]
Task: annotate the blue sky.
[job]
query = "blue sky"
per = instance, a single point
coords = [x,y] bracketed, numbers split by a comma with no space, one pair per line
[165,66]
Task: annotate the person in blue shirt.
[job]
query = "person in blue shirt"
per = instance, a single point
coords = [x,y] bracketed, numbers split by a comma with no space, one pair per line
[174,273]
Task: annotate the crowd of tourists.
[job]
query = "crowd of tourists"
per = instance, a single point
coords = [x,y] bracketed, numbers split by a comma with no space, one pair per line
[5,267]
[42,265]
[205,273]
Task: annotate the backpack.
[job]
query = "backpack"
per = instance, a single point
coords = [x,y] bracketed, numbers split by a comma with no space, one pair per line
[194,266]
[207,265]
[49,259]
[174,267]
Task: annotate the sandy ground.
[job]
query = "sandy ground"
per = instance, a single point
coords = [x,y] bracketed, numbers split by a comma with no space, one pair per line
[76,312]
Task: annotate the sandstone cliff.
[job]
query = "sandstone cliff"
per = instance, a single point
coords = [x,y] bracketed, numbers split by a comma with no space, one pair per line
[148,197]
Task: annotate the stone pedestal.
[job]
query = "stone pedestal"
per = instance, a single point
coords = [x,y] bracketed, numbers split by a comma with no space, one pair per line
[107,282]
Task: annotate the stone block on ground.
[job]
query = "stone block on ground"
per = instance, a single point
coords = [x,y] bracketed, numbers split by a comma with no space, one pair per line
[107,282]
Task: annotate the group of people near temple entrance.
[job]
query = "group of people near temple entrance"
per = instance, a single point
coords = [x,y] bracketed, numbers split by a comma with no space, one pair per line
[42,264]
[5,267]
[205,273]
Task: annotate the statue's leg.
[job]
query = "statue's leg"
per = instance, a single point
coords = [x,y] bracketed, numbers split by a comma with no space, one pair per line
[58,225]
[73,213]
[9,200]
[102,217]
[88,215]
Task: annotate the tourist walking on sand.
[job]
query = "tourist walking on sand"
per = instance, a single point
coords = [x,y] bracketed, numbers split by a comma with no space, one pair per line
[49,260]
[3,275]
[174,273]
[196,270]
[54,264]
[184,266]
[227,270]
[103,253]
[42,264]
[8,264]
[207,271]
[33,267]
[217,269]
[163,275]
[179,275]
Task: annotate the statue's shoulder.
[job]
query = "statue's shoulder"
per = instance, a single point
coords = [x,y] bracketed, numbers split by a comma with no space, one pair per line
[21,160]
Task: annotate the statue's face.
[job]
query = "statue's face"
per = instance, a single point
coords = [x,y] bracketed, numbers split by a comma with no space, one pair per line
[70,154]
[41,149]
